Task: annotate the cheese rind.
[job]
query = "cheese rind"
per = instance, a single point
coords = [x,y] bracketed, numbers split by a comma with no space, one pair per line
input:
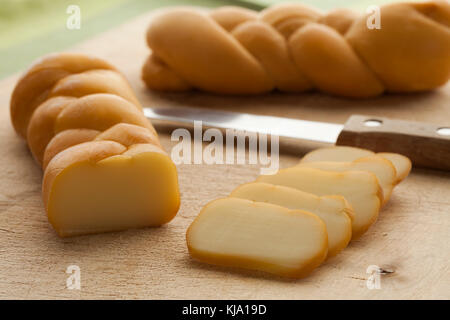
[32,89]
[260,236]
[359,188]
[380,167]
[335,211]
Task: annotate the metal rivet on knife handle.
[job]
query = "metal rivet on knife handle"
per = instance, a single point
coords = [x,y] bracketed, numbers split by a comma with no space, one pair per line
[423,143]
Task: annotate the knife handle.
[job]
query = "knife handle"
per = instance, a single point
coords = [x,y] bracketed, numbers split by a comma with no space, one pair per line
[427,145]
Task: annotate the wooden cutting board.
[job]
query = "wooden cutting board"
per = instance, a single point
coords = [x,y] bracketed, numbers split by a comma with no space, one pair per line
[411,238]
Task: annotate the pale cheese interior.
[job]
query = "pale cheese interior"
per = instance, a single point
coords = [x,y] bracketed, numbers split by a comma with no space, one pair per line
[338,153]
[117,193]
[257,235]
[381,168]
[401,163]
[345,154]
[333,210]
[360,189]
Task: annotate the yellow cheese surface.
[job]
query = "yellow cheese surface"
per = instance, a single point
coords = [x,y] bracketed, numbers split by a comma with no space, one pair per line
[260,236]
[359,188]
[335,211]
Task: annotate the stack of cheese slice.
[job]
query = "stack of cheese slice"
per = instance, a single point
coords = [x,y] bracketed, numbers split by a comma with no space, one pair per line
[288,223]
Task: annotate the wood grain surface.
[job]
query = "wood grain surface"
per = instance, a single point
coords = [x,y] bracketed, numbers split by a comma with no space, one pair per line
[411,239]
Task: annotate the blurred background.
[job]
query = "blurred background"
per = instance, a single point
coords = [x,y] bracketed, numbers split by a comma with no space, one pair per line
[31,28]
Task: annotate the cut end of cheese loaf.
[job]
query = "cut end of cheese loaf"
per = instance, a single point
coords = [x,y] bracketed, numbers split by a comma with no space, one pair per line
[401,163]
[107,191]
[334,211]
[380,167]
[361,189]
[260,236]
[104,168]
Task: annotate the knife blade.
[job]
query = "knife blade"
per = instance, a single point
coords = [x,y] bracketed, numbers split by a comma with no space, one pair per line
[427,145]
[278,126]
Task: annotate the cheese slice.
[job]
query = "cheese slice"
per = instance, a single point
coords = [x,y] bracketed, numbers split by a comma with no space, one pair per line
[401,163]
[336,153]
[359,188]
[335,211]
[260,236]
[380,167]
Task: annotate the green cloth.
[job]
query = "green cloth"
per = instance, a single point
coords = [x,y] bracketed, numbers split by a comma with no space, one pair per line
[32,28]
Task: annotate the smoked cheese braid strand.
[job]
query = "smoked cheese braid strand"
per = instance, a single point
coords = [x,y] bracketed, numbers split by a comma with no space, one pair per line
[296,48]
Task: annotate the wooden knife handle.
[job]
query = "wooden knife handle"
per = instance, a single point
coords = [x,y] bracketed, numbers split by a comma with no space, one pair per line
[427,145]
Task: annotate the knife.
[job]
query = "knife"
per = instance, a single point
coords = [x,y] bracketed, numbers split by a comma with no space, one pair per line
[253,4]
[427,145]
